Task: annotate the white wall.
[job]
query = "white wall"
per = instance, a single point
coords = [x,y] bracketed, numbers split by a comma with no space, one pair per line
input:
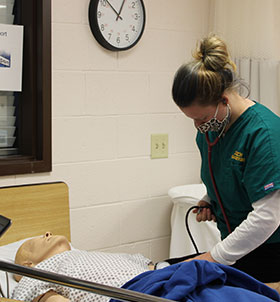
[105,107]
[250,27]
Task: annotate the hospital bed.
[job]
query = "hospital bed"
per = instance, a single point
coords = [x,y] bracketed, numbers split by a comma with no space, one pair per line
[34,209]
[40,207]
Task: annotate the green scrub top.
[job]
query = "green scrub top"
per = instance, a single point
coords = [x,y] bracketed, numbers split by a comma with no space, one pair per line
[246,165]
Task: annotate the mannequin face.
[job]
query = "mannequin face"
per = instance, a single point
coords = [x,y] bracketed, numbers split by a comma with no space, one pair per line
[40,248]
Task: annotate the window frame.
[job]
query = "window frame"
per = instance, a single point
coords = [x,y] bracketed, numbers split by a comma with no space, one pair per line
[34,110]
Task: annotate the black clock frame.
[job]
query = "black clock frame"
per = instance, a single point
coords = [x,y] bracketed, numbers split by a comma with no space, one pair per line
[92,16]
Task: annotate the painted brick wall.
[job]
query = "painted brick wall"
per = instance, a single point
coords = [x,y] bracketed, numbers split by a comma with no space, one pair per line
[105,107]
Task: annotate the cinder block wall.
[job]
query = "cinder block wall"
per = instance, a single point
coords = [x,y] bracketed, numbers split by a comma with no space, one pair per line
[105,107]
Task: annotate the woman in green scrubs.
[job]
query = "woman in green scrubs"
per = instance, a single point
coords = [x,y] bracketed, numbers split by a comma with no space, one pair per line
[245,160]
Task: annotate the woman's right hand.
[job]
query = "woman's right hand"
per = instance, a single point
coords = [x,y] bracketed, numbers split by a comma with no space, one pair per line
[204,214]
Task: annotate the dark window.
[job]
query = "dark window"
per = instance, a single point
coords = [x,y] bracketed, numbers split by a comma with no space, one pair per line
[30,151]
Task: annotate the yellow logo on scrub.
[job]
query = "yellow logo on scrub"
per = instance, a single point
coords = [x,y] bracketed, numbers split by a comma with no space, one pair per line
[238,156]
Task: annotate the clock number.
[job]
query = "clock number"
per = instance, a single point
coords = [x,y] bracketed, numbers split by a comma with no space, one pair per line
[110,35]
[103,2]
[99,14]
[102,27]
[133,4]
[118,40]
[133,28]
[136,16]
[127,37]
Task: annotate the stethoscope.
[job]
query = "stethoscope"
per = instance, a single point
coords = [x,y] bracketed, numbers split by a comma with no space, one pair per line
[210,146]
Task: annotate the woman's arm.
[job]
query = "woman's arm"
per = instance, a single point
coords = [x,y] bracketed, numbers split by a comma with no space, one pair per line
[252,232]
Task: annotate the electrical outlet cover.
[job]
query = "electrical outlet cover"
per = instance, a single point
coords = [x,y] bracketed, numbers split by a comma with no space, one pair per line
[159,145]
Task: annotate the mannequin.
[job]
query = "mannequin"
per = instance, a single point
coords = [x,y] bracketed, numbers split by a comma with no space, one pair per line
[53,253]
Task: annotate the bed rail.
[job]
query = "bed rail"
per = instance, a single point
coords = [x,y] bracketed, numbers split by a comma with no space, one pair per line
[99,289]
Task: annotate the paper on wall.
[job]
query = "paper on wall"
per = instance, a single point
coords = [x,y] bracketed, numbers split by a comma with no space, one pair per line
[11,49]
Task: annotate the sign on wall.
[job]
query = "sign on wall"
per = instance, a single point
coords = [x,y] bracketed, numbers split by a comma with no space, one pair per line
[11,48]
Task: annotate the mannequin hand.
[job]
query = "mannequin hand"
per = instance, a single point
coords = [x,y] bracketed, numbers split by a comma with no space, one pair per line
[51,296]
[206,256]
[204,214]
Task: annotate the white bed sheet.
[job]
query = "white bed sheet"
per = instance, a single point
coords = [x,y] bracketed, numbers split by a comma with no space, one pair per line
[7,254]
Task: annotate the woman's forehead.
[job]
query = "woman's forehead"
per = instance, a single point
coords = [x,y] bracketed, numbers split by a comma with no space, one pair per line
[196,111]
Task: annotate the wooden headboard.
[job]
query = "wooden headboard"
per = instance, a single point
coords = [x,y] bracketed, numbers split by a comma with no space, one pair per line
[34,210]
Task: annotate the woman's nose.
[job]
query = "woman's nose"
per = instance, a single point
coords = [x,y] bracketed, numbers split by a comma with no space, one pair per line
[196,123]
[48,234]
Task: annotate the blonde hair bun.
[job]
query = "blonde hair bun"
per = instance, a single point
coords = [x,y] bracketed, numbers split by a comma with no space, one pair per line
[212,52]
[206,77]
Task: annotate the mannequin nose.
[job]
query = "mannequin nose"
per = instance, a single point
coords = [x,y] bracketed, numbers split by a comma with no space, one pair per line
[48,234]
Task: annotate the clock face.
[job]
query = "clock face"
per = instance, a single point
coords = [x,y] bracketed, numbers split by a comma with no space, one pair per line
[117,24]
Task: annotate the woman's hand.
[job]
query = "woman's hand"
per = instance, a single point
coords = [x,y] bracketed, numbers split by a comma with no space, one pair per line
[205,256]
[204,214]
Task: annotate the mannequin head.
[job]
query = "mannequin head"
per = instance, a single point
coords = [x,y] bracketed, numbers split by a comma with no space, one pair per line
[37,249]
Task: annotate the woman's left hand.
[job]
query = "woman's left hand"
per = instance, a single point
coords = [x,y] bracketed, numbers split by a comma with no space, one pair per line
[206,256]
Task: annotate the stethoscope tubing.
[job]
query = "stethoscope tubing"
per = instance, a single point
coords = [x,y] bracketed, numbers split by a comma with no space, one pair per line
[210,146]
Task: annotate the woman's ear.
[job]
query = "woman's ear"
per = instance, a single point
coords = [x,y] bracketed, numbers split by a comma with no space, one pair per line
[224,99]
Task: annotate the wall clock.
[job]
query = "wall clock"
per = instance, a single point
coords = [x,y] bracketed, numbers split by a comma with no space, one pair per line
[117,24]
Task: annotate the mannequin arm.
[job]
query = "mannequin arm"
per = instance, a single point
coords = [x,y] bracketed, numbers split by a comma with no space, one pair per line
[51,296]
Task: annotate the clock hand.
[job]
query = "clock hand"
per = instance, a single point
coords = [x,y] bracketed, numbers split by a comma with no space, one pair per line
[113,9]
[118,16]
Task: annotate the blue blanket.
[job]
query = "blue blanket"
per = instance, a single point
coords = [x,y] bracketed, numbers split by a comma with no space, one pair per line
[199,281]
